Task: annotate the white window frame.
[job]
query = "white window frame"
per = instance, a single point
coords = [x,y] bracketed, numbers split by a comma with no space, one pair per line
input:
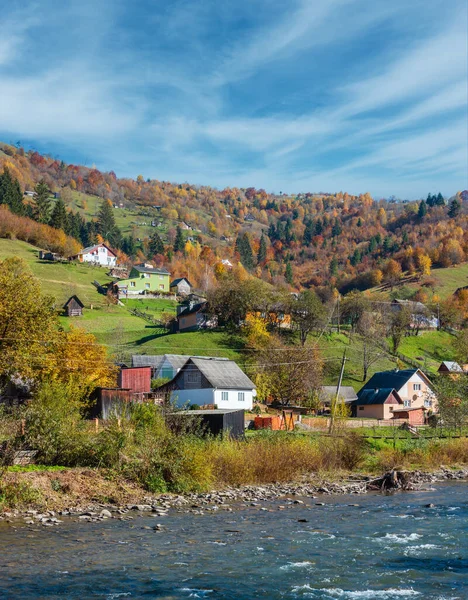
[147,286]
[241,396]
[224,396]
[417,387]
[407,403]
[132,284]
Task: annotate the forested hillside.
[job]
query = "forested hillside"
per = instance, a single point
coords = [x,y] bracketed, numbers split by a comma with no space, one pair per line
[303,240]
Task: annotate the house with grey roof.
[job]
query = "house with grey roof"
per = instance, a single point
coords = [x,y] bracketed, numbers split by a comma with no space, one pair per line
[328,393]
[163,366]
[449,367]
[181,286]
[210,381]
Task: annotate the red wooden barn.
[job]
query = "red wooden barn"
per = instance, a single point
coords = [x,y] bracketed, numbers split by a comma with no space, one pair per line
[136,379]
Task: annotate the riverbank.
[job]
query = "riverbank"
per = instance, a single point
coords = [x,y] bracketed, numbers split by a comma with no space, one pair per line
[42,497]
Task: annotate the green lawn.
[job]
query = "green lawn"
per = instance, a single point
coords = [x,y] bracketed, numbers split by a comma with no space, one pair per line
[429,349]
[448,280]
[60,280]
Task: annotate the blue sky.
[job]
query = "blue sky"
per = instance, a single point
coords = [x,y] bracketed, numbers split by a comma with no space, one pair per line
[311,95]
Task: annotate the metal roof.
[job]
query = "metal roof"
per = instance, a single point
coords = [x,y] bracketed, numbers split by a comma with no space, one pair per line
[376,396]
[222,373]
[91,248]
[220,411]
[179,280]
[392,379]
[177,361]
[452,366]
[151,270]
[346,392]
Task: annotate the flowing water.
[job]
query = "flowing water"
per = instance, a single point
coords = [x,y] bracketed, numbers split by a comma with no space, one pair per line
[386,547]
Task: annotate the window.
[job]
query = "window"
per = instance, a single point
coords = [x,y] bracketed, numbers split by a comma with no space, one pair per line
[192,376]
[407,403]
[147,286]
[161,286]
[241,396]
[161,277]
[146,275]
[428,403]
[132,284]
[391,408]
[417,387]
[224,396]
[361,408]
[167,373]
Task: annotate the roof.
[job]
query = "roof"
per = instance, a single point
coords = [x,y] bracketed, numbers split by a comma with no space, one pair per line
[74,299]
[151,270]
[392,379]
[346,392]
[221,372]
[177,361]
[194,308]
[376,396]
[91,248]
[451,366]
[179,280]
[411,304]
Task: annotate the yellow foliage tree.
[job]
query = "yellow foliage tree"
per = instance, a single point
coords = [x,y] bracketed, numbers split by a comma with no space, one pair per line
[424,264]
[255,330]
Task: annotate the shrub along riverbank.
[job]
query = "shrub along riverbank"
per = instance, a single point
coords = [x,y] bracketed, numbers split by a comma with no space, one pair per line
[149,452]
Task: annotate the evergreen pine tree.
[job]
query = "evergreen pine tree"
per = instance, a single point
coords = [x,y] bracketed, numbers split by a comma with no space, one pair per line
[129,246]
[333,268]
[179,242]
[156,245]
[262,250]
[288,273]
[455,208]
[10,193]
[422,210]
[272,232]
[359,222]
[42,202]
[439,201]
[429,200]
[308,233]
[106,220]
[244,249]
[58,218]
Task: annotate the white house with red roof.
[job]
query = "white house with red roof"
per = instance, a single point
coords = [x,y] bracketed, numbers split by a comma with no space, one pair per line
[100,254]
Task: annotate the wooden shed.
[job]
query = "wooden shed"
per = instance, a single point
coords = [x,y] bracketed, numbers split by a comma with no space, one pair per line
[219,422]
[73,307]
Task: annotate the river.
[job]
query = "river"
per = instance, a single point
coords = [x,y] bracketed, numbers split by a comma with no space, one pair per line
[352,547]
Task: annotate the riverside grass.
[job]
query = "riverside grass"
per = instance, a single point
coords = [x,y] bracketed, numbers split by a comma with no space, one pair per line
[158,452]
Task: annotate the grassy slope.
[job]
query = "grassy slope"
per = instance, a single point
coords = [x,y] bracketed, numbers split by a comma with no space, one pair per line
[448,280]
[61,280]
[126,334]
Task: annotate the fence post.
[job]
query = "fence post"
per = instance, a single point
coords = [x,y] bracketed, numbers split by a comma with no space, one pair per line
[23,426]
[96,421]
[118,423]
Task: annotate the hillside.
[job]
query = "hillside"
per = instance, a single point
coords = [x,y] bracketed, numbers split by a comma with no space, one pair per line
[295,240]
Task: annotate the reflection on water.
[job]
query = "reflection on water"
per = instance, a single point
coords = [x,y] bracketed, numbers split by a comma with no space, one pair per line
[387,547]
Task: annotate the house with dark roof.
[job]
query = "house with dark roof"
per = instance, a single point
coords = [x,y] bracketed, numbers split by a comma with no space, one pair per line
[181,286]
[73,307]
[163,366]
[412,386]
[144,279]
[194,316]
[209,381]
[378,403]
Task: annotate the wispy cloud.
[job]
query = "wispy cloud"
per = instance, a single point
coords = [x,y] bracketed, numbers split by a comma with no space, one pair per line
[331,94]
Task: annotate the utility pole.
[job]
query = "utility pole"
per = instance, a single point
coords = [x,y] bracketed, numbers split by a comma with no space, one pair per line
[337,395]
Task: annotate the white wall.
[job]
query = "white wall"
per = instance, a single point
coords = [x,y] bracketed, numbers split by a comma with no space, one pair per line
[101,258]
[210,396]
[233,401]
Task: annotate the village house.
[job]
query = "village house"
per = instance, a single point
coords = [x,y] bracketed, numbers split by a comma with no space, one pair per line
[421,317]
[194,316]
[163,366]
[100,254]
[327,395]
[181,286]
[387,388]
[448,367]
[378,403]
[73,307]
[143,279]
[208,381]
